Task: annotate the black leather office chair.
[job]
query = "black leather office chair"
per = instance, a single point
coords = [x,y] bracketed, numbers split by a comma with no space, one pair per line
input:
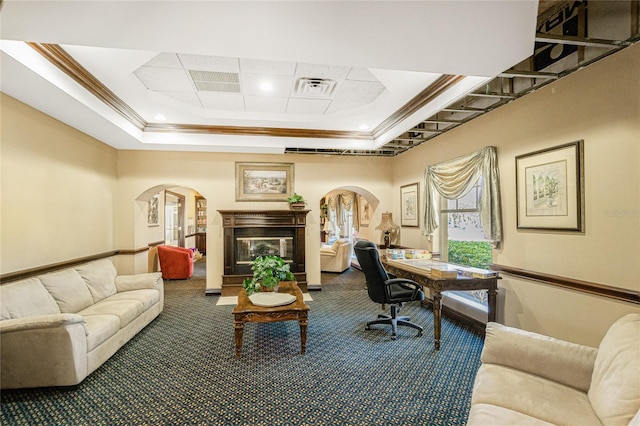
[386,289]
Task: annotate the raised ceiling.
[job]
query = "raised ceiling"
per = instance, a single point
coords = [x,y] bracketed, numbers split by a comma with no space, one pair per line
[363,78]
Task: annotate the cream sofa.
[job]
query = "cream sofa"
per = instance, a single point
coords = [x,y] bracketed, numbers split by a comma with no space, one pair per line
[57,328]
[335,258]
[531,379]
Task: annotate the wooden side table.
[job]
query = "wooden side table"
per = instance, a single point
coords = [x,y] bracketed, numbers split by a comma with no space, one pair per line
[248,312]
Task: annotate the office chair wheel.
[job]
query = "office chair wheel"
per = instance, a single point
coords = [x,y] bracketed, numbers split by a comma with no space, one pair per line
[419,333]
[394,337]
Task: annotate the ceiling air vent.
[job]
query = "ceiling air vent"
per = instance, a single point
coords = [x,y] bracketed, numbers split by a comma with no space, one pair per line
[211,81]
[314,87]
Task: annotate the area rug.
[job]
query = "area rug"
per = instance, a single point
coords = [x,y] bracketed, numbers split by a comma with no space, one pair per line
[181,369]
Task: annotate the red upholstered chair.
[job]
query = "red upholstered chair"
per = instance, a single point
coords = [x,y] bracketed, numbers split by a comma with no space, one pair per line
[176,263]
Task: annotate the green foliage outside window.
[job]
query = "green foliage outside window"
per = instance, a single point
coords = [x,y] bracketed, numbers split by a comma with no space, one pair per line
[470,253]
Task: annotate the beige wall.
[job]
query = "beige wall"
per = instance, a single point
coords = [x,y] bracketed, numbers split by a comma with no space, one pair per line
[66,195]
[600,105]
[213,176]
[58,189]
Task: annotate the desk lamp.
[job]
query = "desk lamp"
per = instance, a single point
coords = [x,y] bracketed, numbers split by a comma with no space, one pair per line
[386,226]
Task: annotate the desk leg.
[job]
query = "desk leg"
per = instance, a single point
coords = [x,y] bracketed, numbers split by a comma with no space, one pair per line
[239,328]
[492,292]
[303,334]
[437,318]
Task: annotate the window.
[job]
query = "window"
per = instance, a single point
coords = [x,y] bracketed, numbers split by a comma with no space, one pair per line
[463,242]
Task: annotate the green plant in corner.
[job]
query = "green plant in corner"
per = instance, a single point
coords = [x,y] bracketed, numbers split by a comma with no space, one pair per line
[268,271]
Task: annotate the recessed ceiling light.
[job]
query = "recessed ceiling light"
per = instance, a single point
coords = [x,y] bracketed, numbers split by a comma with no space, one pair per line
[364,127]
[159,117]
[266,86]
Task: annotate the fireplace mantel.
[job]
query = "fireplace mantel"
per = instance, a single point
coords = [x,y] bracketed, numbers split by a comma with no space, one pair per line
[254,224]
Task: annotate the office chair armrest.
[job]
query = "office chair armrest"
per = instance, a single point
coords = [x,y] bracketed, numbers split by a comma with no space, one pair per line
[407,283]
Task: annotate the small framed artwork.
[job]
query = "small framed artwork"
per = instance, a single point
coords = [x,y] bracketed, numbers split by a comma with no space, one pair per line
[364,213]
[409,198]
[152,211]
[264,181]
[550,188]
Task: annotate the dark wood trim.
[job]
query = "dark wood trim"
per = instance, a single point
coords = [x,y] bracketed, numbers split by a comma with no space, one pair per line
[65,62]
[615,293]
[444,83]
[39,270]
[156,243]
[25,273]
[256,131]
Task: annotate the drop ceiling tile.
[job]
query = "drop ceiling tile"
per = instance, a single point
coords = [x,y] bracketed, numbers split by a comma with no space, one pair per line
[358,91]
[186,97]
[222,101]
[333,72]
[361,74]
[259,66]
[307,106]
[164,79]
[209,63]
[337,106]
[250,85]
[165,60]
[265,104]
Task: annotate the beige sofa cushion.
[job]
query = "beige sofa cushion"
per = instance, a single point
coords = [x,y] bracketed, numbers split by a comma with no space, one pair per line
[26,298]
[68,289]
[125,310]
[100,278]
[100,328]
[615,385]
[486,414]
[532,396]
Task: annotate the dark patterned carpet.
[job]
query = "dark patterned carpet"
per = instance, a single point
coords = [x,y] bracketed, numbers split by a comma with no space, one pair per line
[181,369]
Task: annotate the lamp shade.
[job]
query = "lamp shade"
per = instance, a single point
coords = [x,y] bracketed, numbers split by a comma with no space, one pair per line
[387,223]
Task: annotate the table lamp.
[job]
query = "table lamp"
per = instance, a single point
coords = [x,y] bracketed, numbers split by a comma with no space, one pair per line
[386,226]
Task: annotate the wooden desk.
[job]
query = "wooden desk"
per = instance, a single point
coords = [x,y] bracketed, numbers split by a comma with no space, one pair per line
[438,285]
[248,312]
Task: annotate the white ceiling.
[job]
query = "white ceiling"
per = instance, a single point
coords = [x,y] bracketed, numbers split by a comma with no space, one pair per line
[377,55]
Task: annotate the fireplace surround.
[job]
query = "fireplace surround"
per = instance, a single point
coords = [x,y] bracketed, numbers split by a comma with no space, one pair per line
[252,233]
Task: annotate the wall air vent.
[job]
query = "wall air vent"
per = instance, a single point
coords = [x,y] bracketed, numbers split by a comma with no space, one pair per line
[211,81]
[314,87]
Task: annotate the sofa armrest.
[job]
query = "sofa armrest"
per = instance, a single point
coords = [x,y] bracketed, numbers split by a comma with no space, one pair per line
[151,280]
[327,252]
[564,362]
[39,322]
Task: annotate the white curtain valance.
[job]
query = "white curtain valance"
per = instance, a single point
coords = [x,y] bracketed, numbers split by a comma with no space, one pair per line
[454,179]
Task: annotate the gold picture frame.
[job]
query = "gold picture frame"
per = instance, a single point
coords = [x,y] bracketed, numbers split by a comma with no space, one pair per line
[550,189]
[264,181]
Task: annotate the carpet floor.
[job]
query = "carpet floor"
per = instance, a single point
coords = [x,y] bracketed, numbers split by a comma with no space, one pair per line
[182,369]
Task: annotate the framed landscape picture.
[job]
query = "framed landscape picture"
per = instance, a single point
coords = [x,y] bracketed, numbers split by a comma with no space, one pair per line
[550,188]
[264,181]
[409,215]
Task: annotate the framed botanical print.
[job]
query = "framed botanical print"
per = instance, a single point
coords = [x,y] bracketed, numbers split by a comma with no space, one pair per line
[409,198]
[550,188]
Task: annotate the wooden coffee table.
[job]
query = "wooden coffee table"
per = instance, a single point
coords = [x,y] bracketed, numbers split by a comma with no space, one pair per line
[248,312]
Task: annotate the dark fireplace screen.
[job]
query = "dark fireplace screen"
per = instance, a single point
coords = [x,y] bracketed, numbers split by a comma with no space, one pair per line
[248,248]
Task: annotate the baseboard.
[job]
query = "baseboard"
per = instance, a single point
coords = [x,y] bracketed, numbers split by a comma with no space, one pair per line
[213,291]
[314,287]
[476,325]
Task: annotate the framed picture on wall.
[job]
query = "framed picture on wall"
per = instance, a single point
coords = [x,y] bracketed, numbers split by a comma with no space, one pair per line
[409,198]
[264,181]
[152,211]
[550,188]
[364,212]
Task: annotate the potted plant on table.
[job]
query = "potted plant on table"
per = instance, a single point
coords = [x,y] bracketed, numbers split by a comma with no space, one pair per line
[296,201]
[268,271]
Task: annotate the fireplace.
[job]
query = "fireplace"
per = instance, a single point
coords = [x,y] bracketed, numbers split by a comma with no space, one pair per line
[249,234]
